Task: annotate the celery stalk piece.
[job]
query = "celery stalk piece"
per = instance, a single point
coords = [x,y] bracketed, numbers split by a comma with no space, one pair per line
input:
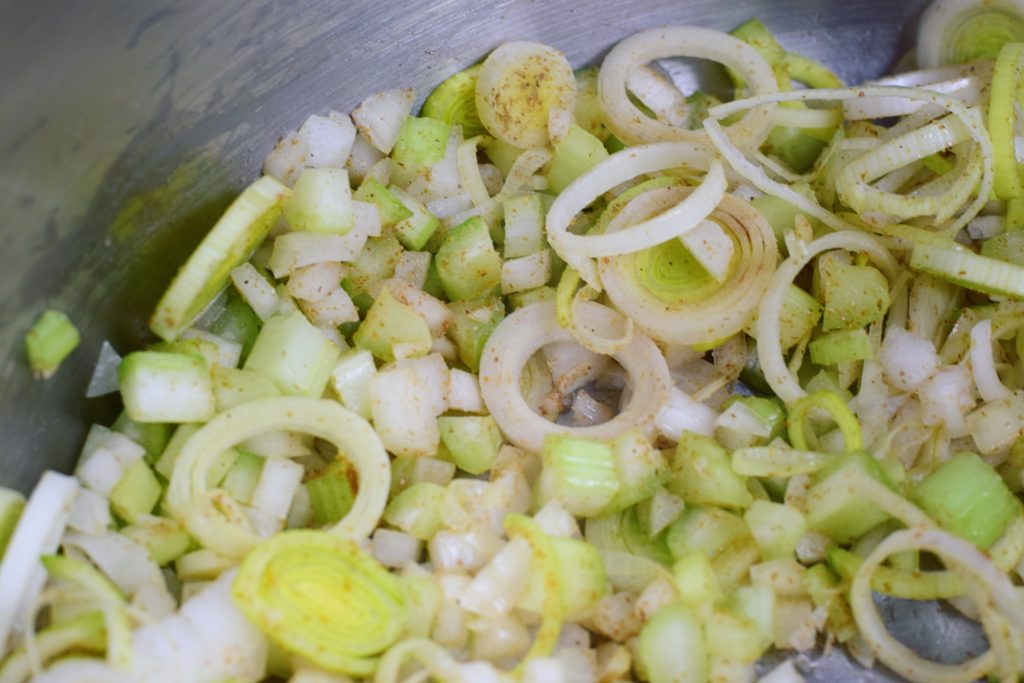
[703,474]
[50,340]
[376,261]
[854,296]
[390,323]
[800,313]
[136,493]
[454,102]
[330,493]
[390,208]
[502,154]
[237,323]
[321,201]
[294,355]
[695,580]
[234,386]
[467,263]
[844,346]
[578,472]
[421,143]
[152,436]
[471,326]
[472,441]
[834,507]
[968,498]
[416,229]
[670,647]
[640,467]
[576,154]
[164,538]
[733,636]
[704,530]
[775,527]
[193,347]
[779,213]
[243,477]
[756,34]
[242,227]
[350,380]
[166,387]
[11,505]
[582,573]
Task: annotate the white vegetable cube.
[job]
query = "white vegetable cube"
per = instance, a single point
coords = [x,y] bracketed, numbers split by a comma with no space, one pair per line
[351,378]
[525,272]
[166,387]
[366,218]
[379,117]
[433,376]
[287,159]
[332,310]
[464,392]
[394,548]
[683,414]
[328,139]
[257,290]
[321,202]
[100,472]
[90,513]
[361,158]
[314,282]
[228,352]
[524,225]
[907,359]
[412,267]
[293,354]
[278,482]
[296,250]
[402,414]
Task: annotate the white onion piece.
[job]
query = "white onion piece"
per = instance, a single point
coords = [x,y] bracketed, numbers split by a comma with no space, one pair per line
[963,558]
[276,487]
[403,415]
[964,82]
[807,118]
[659,95]
[633,127]
[521,334]
[496,587]
[38,533]
[379,117]
[616,169]
[907,359]
[90,513]
[464,392]
[328,139]
[104,376]
[945,397]
[760,179]
[127,563]
[469,170]
[681,413]
[769,350]
[983,365]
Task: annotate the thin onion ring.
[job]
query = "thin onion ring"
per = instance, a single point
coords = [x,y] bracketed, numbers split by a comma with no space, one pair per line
[532,327]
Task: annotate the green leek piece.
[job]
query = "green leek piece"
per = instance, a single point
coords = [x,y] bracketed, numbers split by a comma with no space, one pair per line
[11,505]
[771,411]
[703,475]
[201,565]
[234,386]
[421,143]
[836,407]
[670,647]
[241,480]
[165,464]
[50,340]
[467,263]
[166,387]
[153,436]
[165,538]
[1014,214]
[390,208]
[704,530]
[967,269]
[81,634]
[733,636]
[502,154]
[330,493]
[756,34]
[588,112]
[228,244]
[911,585]
[578,472]
[136,493]
[576,154]
[294,355]
[1008,247]
[800,313]
[472,441]
[824,588]
[1002,117]
[844,346]
[640,467]
[416,510]
[968,498]
[776,528]
[969,31]
[854,296]
[544,559]
[237,323]
[321,201]
[388,323]
[695,580]
[582,576]
[471,326]
[322,598]
[834,505]
[351,380]
[376,261]
[454,102]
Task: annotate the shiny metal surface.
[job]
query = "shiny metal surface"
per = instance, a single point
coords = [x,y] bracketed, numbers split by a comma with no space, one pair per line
[126,127]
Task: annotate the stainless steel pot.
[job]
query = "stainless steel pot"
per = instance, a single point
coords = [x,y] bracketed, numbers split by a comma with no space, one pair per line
[126,127]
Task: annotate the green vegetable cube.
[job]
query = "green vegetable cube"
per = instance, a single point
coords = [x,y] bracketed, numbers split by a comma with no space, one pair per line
[294,355]
[50,340]
[137,493]
[834,506]
[166,387]
[467,263]
[578,472]
[472,441]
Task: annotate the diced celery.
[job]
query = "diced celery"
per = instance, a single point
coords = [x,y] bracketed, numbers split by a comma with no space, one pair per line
[234,386]
[330,493]
[471,326]
[968,498]
[733,636]
[166,387]
[703,474]
[472,441]
[576,154]
[854,296]
[11,505]
[800,313]
[695,580]
[518,300]
[294,355]
[776,528]
[165,539]
[415,230]
[670,647]
[391,209]
[582,573]
[50,340]
[241,480]
[454,102]
[321,201]
[389,323]
[467,263]
[799,148]
[417,510]
[578,472]
[165,464]
[844,346]
[376,261]
[351,380]
[421,143]
[834,506]
[153,436]
[136,493]
[704,530]
[757,603]
[206,350]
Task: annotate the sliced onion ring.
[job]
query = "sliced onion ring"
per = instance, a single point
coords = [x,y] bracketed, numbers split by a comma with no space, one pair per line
[965,82]
[532,327]
[576,250]
[633,127]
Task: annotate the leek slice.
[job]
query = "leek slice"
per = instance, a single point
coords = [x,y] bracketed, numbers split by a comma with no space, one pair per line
[553,606]
[454,102]
[837,409]
[322,598]
[212,517]
[1002,115]
[959,31]
[967,269]
[238,232]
